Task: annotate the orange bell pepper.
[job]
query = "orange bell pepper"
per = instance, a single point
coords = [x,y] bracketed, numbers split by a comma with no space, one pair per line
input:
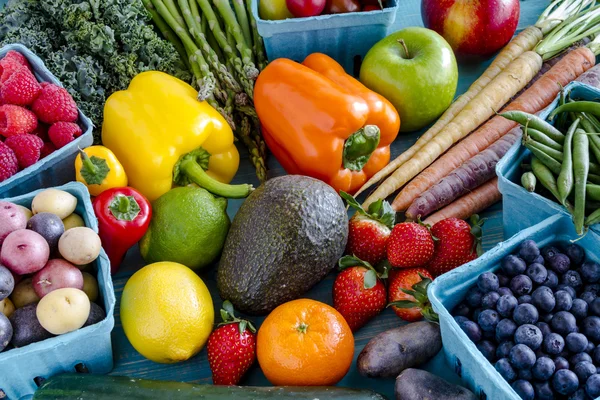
[321,122]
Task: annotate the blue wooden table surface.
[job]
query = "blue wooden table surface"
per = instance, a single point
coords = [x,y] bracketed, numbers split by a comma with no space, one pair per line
[129,362]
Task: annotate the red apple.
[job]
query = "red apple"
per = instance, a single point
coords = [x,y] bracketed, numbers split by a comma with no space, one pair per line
[474,28]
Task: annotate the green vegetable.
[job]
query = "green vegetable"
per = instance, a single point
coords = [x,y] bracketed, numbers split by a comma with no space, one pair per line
[544,175]
[581,159]
[98,387]
[529,181]
[535,122]
[565,178]
[542,138]
[545,159]
[591,107]
[593,191]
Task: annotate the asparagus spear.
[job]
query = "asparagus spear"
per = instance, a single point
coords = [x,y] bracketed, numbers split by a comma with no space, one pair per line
[172,8]
[242,18]
[257,160]
[258,45]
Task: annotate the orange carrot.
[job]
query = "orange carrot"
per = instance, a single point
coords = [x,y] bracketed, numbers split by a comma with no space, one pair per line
[533,100]
[472,203]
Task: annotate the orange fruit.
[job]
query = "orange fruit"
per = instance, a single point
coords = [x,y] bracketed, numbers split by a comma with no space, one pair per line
[305,343]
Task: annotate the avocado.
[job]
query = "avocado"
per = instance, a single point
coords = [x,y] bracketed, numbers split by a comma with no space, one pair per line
[286,237]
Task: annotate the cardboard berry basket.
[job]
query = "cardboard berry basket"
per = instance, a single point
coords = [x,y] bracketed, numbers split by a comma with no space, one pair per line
[87,350]
[447,291]
[56,168]
[345,37]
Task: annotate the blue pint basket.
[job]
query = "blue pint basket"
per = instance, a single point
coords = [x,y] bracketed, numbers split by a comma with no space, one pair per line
[86,350]
[520,208]
[345,37]
[448,290]
[57,168]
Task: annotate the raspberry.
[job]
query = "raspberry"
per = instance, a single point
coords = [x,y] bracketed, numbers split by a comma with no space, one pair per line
[8,68]
[17,57]
[63,133]
[8,162]
[55,104]
[41,131]
[21,88]
[47,149]
[15,120]
[26,147]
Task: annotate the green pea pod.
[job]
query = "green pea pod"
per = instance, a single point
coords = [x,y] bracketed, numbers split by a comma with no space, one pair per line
[542,138]
[593,218]
[545,176]
[581,160]
[590,107]
[565,178]
[545,159]
[592,191]
[589,127]
[593,178]
[535,122]
[555,154]
[529,181]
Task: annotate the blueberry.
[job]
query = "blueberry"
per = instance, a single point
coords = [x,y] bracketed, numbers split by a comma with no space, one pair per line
[565,382]
[488,349]
[522,357]
[560,263]
[591,328]
[544,328]
[543,391]
[506,304]
[551,280]
[525,299]
[596,355]
[583,370]
[592,287]
[595,306]
[539,260]
[529,335]
[564,300]
[579,394]
[590,271]
[568,288]
[590,347]
[462,310]
[488,319]
[504,291]
[472,330]
[543,299]
[579,357]
[549,252]
[503,280]
[503,349]
[489,335]
[513,265]
[520,285]
[537,273]
[505,369]
[524,389]
[553,344]
[525,314]
[528,251]
[459,319]
[576,342]
[473,297]
[489,300]
[579,309]
[476,313]
[561,363]
[576,253]
[547,318]
[592,386]
[543,368]
[505,330]
[588,297]
[488,282]
[525,374]
[563,322]
[573,279]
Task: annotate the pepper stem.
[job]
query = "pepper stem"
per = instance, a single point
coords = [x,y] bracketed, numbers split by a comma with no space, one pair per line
[87,163]
[359,147]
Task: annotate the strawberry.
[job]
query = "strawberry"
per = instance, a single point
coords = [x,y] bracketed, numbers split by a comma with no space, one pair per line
[231,348]
[408,294]
[368,231]
[457,244]
[358,292]
[21,88]
[410,245]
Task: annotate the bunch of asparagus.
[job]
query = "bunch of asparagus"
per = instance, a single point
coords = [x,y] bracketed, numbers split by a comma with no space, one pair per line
[224,51]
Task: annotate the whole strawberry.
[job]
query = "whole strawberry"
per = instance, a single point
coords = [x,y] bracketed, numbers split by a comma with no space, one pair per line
[457,244]
[410,245]
[408,294]
[358,292]
[231,348]
[368,231]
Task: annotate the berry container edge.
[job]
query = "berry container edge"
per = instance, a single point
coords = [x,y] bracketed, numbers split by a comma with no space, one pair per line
[345,37]
[449,289]
[56,168]
[23,368]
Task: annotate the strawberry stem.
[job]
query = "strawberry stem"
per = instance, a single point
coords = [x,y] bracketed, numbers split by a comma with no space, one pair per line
[370,277]
[228,316]
[419,292]
[380,210]
[477,232]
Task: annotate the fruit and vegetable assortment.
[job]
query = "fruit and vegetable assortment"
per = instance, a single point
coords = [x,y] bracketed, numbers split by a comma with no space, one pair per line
[45,286]
[537,319]
[36,118]
[282,9]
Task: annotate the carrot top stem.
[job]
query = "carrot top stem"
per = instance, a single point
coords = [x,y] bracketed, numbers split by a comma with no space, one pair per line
[558,11]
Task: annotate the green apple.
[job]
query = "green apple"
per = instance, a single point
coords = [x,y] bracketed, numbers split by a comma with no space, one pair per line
[273,9]
[420,84]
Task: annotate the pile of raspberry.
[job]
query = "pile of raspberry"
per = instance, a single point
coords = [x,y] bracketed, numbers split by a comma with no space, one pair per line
[36,118]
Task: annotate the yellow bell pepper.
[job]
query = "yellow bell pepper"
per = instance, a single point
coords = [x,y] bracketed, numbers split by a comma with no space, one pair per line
[98,168]
[163,135]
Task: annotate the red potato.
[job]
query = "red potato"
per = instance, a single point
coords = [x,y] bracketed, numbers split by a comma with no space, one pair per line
[11,219]
[57,274]
[24,252]
[305,8]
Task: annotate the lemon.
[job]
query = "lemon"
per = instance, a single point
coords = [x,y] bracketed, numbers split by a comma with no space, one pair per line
[167,312]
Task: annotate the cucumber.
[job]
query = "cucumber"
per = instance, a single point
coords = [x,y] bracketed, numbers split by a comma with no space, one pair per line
[98,387]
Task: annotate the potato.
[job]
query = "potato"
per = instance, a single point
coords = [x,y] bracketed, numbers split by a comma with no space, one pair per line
[23,294]
[26,211]
[7,282]
[54,201]
[79,245]
[97,314]
[26,327]
[24,252]
[11,219]
[392,351]
[57,274]
[6,332]
[7,307]
[416,384]
[90,286]
[73,221]
[63,310]
[49,226]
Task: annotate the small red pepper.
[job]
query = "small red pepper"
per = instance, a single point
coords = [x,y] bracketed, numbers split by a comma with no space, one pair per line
[123,218]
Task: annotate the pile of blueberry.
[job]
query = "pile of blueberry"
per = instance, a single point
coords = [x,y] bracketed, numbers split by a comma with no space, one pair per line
[538,321]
